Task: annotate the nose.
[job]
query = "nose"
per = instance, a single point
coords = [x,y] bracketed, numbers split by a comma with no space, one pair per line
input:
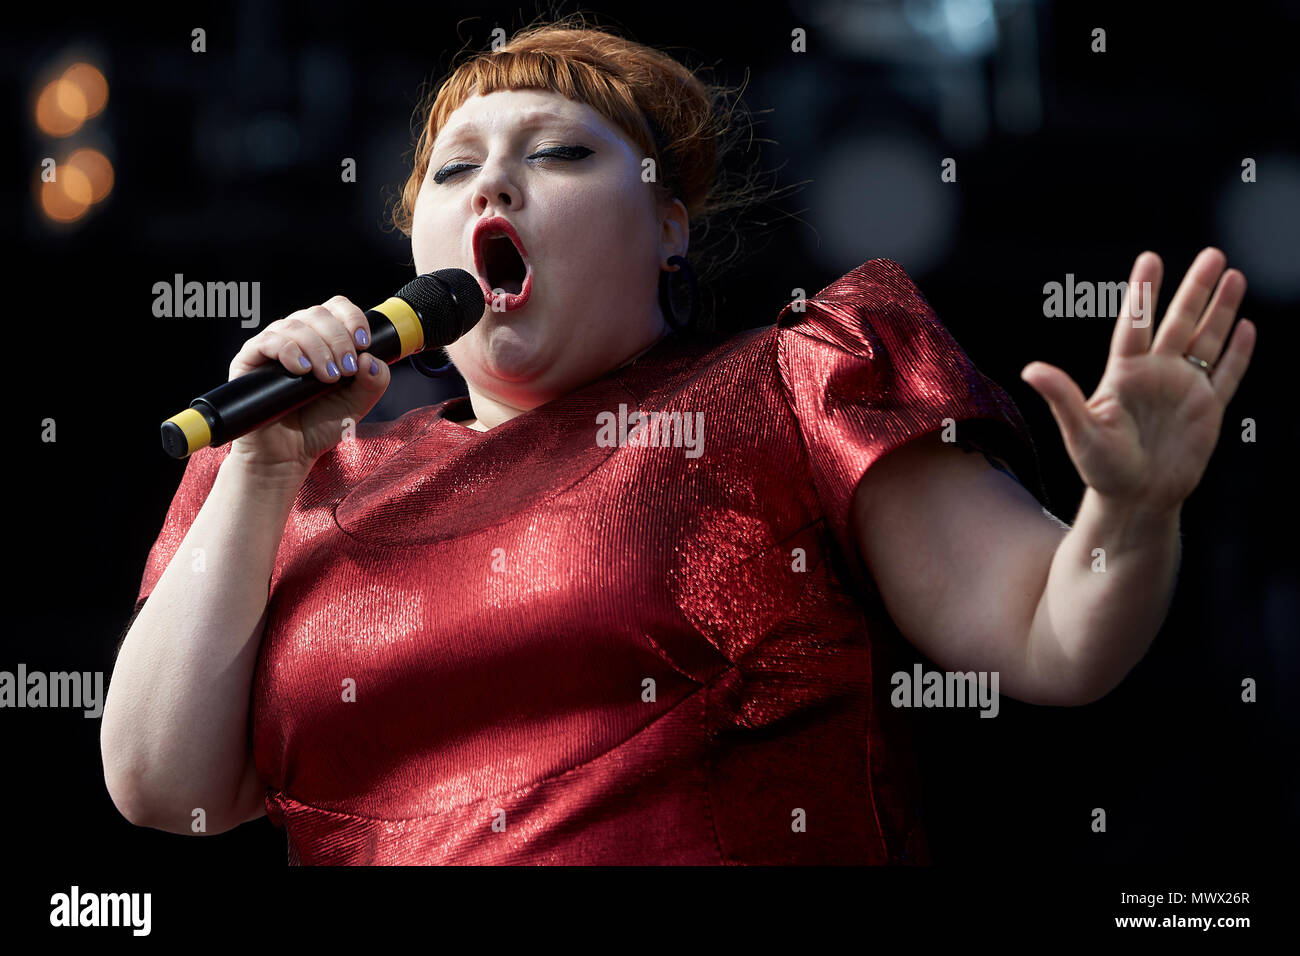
[494,186]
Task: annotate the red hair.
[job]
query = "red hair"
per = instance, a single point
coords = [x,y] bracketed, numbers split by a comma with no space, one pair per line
[658,103]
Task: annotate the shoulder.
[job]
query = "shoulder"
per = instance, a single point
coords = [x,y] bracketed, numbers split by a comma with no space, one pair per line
[838,314]
[845,312]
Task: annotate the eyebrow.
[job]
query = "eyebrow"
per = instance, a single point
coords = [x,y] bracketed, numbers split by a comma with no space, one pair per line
[530,120]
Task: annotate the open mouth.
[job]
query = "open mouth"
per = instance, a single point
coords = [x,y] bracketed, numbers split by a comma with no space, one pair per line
[503,267]
[502,263]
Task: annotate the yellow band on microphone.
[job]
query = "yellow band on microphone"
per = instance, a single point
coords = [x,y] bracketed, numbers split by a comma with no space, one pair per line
[195,428]
[409,330]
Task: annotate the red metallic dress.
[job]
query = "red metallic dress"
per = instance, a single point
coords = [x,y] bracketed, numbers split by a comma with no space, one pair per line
[528,645]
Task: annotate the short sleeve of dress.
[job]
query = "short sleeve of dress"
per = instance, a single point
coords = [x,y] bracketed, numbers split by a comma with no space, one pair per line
[867,366]
[196,483]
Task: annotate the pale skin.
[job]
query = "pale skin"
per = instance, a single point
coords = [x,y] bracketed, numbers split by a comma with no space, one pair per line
[1019,594]
[596,238]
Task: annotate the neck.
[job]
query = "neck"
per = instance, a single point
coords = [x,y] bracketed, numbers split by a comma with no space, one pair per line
[491,413]
[661,337]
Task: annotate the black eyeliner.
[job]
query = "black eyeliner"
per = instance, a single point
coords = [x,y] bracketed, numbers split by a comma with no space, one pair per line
[583,152]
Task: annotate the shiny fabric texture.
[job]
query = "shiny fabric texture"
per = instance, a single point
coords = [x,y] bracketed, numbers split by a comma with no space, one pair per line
[568,653]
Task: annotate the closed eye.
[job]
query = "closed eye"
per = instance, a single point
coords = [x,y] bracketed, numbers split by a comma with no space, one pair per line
[554,152]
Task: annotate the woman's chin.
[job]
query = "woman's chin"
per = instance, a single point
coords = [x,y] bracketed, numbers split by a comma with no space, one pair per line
[512,355]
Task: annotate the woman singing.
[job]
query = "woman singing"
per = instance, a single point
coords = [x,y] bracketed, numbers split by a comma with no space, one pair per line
[637,597]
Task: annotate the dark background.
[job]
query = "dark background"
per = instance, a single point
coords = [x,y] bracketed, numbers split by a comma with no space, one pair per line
[227,168]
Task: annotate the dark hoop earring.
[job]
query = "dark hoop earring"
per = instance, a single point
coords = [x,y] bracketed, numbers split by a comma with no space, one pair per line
[667,302]
[422,365]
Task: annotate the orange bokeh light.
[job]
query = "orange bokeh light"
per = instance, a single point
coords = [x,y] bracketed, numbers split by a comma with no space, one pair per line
[66,103]
[93,86]
[68,197]
[97,170]
[51,115]
[71,99]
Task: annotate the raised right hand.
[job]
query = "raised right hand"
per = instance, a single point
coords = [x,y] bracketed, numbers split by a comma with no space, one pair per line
[322,334]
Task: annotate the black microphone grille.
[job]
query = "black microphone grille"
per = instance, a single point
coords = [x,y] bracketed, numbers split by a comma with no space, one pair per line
[451,299]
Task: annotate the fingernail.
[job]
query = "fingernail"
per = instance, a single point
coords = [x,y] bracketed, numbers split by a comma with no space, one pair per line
[302,360]
[374,366]
[332,369]
[362,339]
[349,362]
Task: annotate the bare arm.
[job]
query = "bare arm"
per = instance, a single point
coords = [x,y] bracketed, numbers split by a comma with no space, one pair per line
[174,734]
[960,553]
[1108,591]
[979,576]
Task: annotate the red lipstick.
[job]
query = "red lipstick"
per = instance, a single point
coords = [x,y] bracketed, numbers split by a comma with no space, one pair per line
[483,231]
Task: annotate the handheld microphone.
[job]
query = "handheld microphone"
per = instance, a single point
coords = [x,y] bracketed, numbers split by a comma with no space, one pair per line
[428,312]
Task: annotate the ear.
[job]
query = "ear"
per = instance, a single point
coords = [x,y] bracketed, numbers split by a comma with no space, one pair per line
[674,230]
